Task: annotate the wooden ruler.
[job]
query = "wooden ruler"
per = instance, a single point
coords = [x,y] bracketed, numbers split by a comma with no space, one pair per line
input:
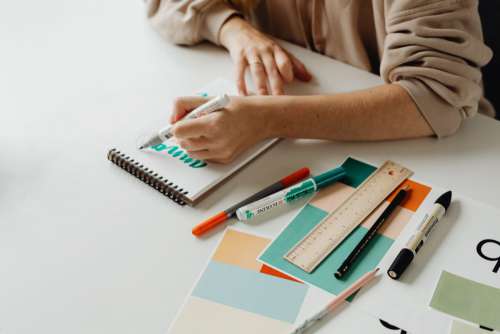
[309,252]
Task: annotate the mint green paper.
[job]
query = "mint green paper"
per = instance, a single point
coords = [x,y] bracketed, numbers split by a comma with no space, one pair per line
[323,277]
[468,300]
[309,217]
[356,172]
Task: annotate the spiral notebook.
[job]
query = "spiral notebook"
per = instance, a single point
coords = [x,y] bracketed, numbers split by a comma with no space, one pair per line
[170,170]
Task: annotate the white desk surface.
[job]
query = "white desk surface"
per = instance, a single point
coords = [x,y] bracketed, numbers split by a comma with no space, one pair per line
[84,247]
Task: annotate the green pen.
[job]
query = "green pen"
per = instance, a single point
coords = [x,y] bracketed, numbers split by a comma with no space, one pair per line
[290,194]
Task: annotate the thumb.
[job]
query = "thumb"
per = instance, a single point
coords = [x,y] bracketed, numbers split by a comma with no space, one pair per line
[184,105]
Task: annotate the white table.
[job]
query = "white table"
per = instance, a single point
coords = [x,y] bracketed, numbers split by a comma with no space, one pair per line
[84,247]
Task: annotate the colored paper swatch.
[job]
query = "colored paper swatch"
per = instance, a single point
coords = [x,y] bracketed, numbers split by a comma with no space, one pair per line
[459,327]
[271,271]
[251,291]
[466,299]
[204,316]
[326,202]
[242,249]
[237,294]
[323,277]
[230,251]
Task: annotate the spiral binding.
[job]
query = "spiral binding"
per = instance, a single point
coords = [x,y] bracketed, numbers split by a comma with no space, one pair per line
[146,175]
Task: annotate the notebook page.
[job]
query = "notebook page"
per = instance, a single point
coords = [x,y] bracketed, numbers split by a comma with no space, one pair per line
[191,176]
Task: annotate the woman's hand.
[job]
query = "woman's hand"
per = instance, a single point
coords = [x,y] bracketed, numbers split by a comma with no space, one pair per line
[270,65]
[222,135]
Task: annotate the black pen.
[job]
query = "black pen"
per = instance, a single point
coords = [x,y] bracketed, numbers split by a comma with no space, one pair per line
[349,261]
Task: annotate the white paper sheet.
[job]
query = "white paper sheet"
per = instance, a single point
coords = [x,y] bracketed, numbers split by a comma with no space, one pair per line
[453,247]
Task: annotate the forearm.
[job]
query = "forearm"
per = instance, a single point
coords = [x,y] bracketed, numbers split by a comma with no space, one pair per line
[189,22]
[382,113]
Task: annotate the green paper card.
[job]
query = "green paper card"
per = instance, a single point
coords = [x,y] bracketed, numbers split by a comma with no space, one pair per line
[325,202]
[468,300]
[458,327]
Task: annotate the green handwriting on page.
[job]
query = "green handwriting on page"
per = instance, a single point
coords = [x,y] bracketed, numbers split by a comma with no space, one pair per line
[174,151]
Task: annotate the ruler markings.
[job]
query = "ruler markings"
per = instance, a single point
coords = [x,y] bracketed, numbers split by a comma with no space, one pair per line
[309,252]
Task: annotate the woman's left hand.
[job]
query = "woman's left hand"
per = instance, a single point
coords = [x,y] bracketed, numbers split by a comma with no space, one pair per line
[222,135]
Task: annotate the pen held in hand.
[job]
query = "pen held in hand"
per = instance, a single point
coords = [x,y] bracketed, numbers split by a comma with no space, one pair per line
[217,103]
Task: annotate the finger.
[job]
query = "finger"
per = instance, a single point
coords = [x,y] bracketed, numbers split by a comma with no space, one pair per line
[217,156]
[273,74]
[241,66]
[284,64]
[258,74]
[203,155]
[299,70]
[193,128]
[195,144]
[183,105]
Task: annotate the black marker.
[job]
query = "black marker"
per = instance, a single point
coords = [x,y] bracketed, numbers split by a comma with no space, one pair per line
[406,255]
[360,247]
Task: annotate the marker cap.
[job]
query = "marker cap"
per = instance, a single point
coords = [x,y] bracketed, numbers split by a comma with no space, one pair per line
[329,177]
[295,177]
[210,223]
[401,262]
[223,100]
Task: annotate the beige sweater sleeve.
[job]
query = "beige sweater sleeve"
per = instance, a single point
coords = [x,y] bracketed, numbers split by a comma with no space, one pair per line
[434,50]
[189,22]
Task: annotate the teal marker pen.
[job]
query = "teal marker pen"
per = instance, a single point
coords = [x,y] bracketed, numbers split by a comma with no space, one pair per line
[290,194]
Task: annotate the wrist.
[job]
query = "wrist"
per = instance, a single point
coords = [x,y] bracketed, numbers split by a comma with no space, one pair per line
[231,29]
[275,115]
[291,116]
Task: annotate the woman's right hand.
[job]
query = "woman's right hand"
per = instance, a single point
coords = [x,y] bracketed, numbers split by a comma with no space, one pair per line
[270,65]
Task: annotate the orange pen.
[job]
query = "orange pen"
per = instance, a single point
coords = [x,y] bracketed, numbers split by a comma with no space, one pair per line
[221,217]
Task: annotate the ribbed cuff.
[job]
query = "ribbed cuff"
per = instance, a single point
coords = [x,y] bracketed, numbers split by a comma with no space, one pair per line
[443,118]
[214,18]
